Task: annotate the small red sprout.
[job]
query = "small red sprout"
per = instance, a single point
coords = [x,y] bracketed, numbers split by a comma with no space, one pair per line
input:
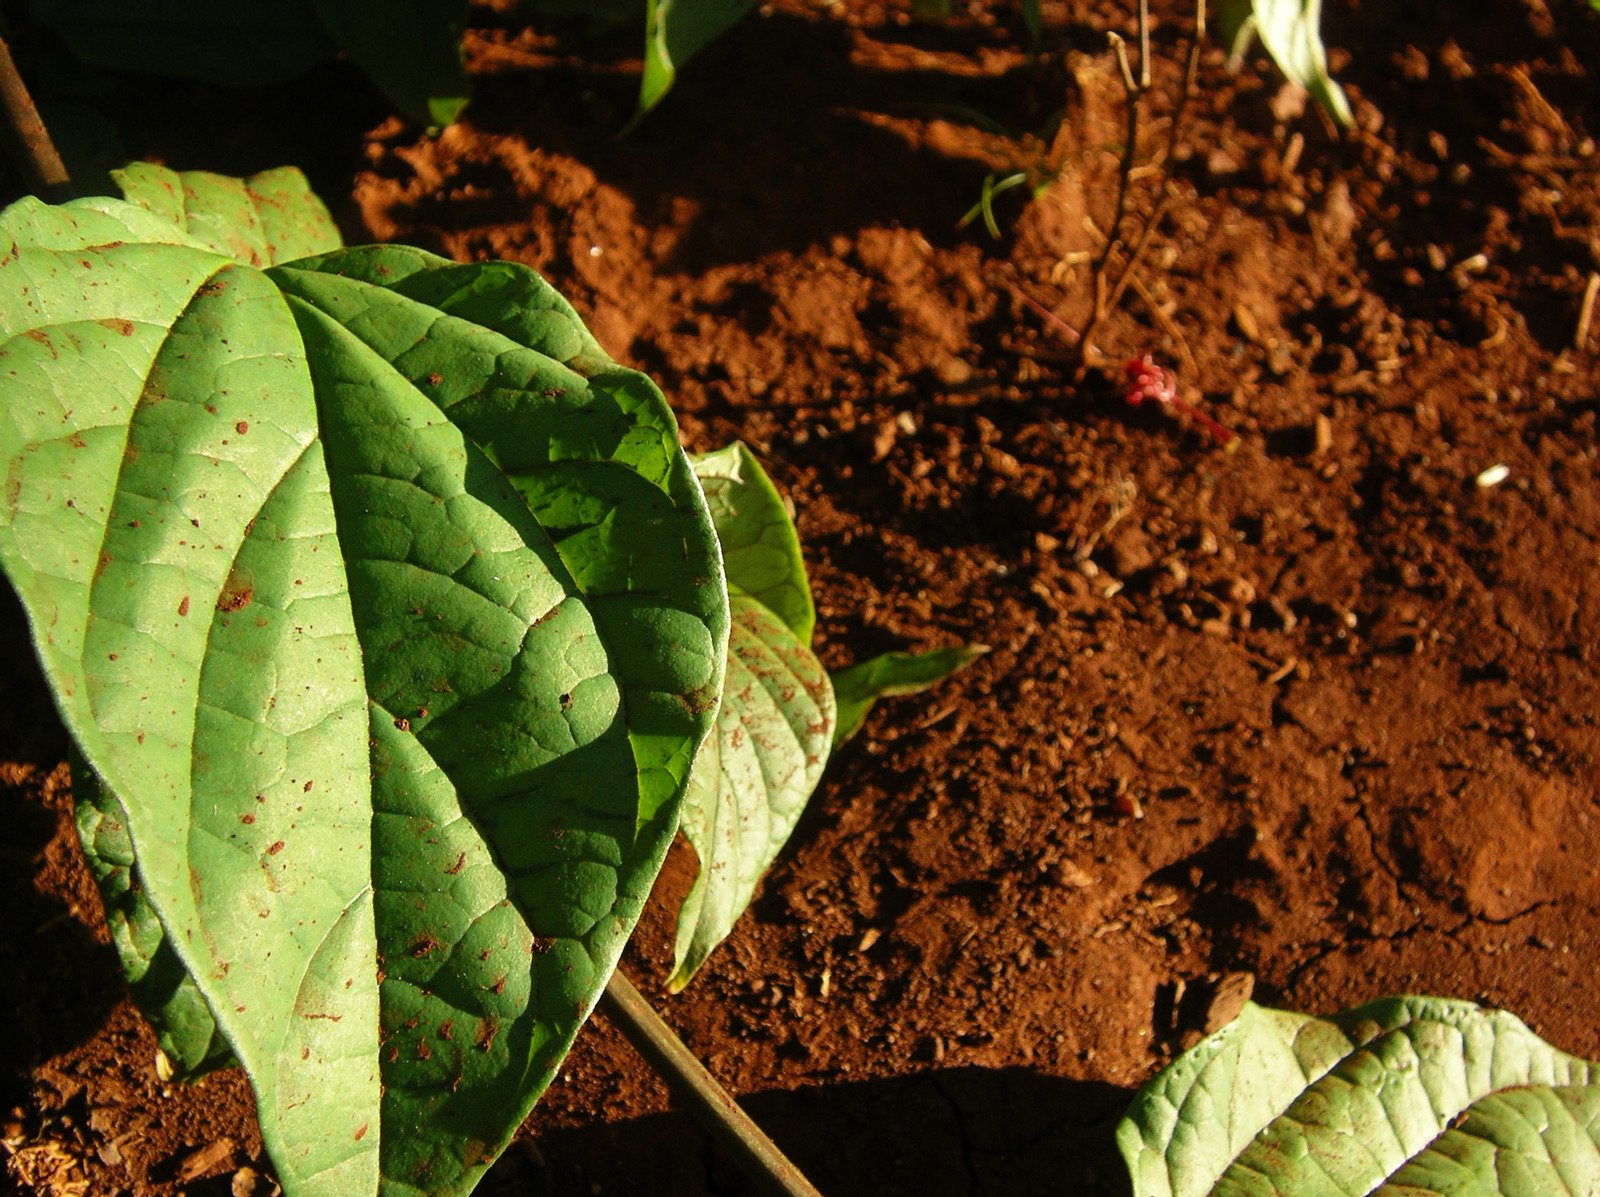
[1148,379]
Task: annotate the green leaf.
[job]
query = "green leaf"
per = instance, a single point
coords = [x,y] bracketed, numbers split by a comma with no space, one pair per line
[891,675]
[677,30]
[159,984]
[760,547]
[227,41]
[753,778]
[410,48]
[1291,31]
[268,218]
[390,612]
[1033,19]
[1408,1096]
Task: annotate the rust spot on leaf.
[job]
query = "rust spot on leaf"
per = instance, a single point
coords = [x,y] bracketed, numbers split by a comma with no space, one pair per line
[423,946]
[121,327]
[461,862]
[487,1030]
[183,605]
[275,848]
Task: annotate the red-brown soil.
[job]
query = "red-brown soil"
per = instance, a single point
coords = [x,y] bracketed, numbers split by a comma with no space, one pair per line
[1321,710]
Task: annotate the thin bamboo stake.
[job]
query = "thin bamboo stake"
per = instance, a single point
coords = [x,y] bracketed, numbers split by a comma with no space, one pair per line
[689,1081]
[32,146]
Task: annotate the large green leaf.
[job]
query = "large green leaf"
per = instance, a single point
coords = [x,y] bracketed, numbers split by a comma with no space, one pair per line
[892,675]
[675,31]
[760,546]
[1407,1097]
[1291,31]
[753,779]
[390,612]
[410,48]
[268,218]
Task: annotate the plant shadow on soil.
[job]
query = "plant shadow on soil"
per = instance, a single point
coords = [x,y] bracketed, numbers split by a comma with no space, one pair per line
[953,1132]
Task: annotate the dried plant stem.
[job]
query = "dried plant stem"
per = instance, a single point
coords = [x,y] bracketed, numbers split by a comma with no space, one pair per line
[31,144]
[1105,291]
[708,1101]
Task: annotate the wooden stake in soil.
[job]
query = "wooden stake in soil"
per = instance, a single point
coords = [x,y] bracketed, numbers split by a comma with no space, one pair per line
[691,1084]
[31,146]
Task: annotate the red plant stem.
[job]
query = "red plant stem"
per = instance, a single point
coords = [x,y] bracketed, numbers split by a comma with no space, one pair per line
[1061,326]
[1223,436]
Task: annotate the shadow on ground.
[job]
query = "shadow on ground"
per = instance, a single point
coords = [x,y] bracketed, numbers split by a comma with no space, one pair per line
[961,1132]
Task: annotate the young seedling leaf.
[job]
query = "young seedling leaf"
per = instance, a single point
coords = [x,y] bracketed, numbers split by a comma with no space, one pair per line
[760,547]
[390,613]
[859,686]
[675,31]
[753,778]
[265,219]
[1405,1097]
[1291,31]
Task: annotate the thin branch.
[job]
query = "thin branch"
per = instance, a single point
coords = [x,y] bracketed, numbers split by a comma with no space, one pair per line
[31,144]
[689,1081]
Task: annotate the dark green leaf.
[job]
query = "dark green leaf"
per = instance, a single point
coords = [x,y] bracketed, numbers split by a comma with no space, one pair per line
[228,41]
[159,983]
[410,48]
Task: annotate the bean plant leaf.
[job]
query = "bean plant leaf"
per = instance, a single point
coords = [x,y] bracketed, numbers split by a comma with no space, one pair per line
[228,41]
[857,687]
[410,48]
[760,547]
[160,985]
[265,219]
[753,778]
[1405,1097]
[677,30]
[390,612]
[760,767]
[1291,31]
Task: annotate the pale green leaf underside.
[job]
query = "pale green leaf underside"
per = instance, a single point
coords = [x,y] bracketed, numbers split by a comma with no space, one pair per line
[858,687]
[1291,31]
[265,219]
[760,547]
[390,611]
[1414,1096]
[752,779]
